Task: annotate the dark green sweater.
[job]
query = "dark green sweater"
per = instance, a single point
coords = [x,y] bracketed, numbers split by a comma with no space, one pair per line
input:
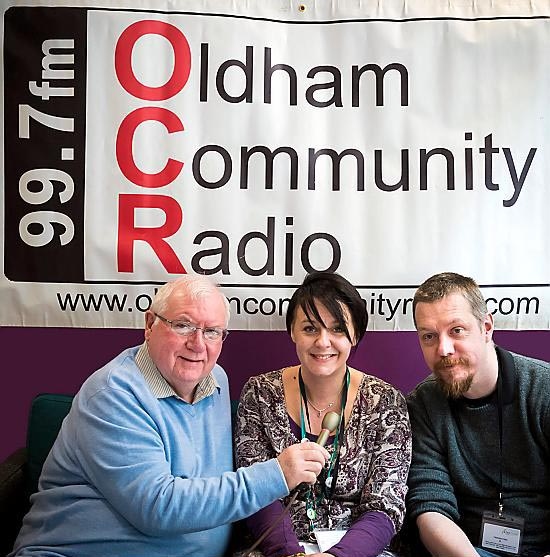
[456,456]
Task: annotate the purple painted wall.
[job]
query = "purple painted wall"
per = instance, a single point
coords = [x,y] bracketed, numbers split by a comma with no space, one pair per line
[38,360]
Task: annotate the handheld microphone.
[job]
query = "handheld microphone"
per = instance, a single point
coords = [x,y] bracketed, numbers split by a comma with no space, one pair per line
[330,423]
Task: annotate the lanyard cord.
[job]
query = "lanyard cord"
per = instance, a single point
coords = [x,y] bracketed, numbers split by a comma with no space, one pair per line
[303,403]
[339,436]
[501,434]
[458,422]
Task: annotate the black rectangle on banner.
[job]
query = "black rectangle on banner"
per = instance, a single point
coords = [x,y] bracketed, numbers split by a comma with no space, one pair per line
[44,143]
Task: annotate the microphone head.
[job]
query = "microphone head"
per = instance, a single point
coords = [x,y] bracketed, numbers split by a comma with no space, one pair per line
[330,421]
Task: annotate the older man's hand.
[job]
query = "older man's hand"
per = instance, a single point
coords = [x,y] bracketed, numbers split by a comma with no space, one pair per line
[302,462]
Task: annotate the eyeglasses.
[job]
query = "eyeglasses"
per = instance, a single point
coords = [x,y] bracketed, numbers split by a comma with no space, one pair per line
[184,328]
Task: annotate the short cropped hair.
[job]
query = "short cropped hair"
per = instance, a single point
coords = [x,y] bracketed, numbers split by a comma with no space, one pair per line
[194,286]
[335,293]
[438,286]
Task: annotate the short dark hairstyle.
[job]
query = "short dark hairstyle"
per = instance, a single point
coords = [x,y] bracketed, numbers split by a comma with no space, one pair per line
[334,292]
[438,286]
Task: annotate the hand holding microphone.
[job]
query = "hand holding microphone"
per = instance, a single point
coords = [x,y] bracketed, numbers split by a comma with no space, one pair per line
[303,462]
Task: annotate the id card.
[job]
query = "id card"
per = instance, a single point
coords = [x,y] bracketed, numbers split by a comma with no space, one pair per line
[501,532]
[309,548]
[327,538]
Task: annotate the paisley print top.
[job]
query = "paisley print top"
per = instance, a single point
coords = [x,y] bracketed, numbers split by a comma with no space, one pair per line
[374,458]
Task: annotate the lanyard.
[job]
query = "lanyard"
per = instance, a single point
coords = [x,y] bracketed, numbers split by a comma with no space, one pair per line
[334,463]
[501,438]
[500,433]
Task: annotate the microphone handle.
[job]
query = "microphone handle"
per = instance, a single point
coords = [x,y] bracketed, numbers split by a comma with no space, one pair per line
[323,437]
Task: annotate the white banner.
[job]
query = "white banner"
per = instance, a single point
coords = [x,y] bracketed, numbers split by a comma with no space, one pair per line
[259,141]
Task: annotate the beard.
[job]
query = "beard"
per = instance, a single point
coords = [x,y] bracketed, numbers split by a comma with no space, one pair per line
[455,388]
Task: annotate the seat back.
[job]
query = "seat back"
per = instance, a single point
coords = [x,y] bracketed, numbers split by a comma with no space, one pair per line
[47,413]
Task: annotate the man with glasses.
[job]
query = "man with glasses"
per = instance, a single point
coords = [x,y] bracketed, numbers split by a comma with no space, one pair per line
[143,463]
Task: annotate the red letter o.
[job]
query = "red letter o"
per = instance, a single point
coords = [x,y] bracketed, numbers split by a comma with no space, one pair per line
[123,60]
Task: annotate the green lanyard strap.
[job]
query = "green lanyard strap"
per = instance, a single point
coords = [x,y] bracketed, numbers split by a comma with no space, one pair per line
[329,484]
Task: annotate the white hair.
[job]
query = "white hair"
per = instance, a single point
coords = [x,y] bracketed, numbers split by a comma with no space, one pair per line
[194,286]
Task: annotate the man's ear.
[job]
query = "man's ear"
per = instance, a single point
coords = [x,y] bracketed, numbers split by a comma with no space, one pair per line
[488,327]
[149,320]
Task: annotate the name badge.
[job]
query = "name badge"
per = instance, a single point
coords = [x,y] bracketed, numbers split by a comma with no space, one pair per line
[502,533]
[327,538]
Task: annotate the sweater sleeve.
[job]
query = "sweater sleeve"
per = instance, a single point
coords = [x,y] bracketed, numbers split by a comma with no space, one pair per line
[124,459]
[430,487]
[282,540]
[367,537]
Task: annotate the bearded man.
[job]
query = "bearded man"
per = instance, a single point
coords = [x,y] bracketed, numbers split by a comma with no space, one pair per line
[479,482]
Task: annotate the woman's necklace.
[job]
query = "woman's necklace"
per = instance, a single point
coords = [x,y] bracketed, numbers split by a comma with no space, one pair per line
[320,410]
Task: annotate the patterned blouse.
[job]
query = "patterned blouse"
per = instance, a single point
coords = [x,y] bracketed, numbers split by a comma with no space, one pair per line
[374,458]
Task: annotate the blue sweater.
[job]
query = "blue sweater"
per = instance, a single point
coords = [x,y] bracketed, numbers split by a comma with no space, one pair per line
[133,475]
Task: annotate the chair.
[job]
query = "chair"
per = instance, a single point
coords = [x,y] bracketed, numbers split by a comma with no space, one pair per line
[19,473]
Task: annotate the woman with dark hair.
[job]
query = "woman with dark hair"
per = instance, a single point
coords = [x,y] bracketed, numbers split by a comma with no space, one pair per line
[358,502]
